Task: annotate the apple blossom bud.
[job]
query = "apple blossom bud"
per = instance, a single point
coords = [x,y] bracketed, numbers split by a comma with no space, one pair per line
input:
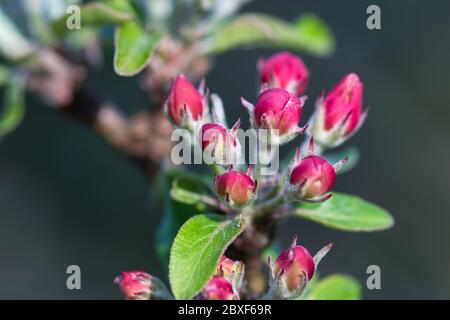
[236,189]
[134,285]
[284,70]
[278,111]
[138,285]
[231,270]
[185,105]
[218,288]
[339,114]
[219,143]
[293,269]
[312,177]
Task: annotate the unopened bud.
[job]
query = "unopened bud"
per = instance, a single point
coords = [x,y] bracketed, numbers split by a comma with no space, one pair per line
[284,70]
[339,114]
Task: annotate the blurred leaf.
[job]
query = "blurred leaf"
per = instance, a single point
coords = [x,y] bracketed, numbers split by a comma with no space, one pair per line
[187,191]
[4,75]
[175,213]
[99,13]
[13,109]
[38,15]
[196,251]
[133,48]
[13,44]
[308,33]
[347,213]
[335,287]
[353,158]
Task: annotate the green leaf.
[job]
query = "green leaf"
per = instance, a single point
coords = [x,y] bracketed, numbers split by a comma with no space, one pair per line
[196,251]
[99,13]
[353,158]
[307,34]
[347,213]
[13,109]
[188,190]
[133,48]
[335,287]
[175,213]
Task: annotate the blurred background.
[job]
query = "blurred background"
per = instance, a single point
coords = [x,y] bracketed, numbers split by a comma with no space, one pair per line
[67,198]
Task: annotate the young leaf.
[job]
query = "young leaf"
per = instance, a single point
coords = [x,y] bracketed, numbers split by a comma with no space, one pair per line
[196,251]
[133,48]
[308,34]
[96,14]
[188,190]
[175,213]
[347,213]
[335,287]
[13,109]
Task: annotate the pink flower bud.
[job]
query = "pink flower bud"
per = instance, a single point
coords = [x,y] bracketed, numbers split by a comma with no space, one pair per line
[344,100]
[219,288]
[231,270]
[339,114]
[278,111]
[134,285]
[316,174]
[184,104]
[286,71]
[294,265]
[312,177]
[293,269]
[220,143]
[236,188]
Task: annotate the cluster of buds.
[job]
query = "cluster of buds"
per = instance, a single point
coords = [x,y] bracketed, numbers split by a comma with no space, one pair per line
[226,282]
[311,177]
[237,189]
[139,285]
[339,114]
[293,269]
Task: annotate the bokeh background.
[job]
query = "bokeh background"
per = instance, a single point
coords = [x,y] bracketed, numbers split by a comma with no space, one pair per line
[67,198]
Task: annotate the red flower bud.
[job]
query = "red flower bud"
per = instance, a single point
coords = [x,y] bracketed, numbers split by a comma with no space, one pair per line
[277,109]
[293,269]
[218,288]
[236,188]
[312,177]
[220,143]
[286,71]
[184,104]
[339,114]
[134,285]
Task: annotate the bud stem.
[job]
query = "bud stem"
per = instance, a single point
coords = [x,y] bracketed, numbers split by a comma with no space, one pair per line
[269,205]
